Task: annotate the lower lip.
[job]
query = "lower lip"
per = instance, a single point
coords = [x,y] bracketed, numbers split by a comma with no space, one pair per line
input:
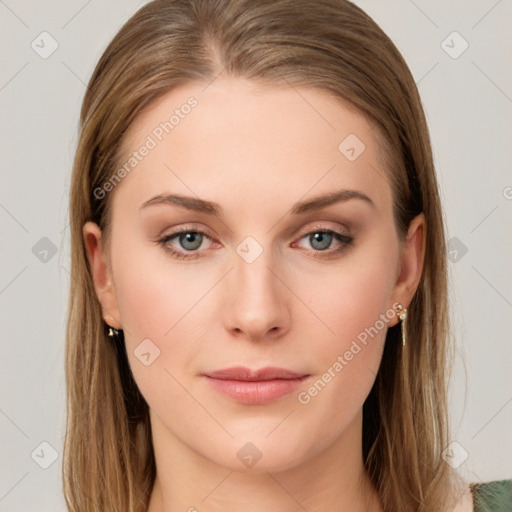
[256,392]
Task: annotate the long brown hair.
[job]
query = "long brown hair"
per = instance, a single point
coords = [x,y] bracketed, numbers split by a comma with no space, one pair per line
[333,45]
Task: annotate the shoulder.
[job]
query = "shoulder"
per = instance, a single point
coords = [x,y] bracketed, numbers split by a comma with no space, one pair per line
[495,496]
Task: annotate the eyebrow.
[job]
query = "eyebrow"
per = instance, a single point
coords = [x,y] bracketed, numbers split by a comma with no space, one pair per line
[302,207]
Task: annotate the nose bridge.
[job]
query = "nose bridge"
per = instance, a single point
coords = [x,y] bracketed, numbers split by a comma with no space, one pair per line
[254,275]
[256,304]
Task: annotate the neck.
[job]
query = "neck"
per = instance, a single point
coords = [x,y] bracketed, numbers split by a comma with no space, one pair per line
[334,479]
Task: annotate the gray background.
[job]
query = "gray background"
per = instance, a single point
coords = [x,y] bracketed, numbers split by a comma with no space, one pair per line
[468,101]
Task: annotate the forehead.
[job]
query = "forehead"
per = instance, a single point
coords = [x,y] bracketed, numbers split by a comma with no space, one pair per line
[236,135]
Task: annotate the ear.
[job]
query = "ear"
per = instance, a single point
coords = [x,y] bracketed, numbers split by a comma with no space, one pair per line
[412,255]
[101,274]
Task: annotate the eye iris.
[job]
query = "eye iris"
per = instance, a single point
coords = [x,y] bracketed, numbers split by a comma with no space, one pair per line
[324,240]
[193,238]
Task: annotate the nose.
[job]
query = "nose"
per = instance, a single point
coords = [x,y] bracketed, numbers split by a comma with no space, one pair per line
[257,307]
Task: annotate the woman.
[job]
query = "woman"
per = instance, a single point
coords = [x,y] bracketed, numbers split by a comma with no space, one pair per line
[258,312]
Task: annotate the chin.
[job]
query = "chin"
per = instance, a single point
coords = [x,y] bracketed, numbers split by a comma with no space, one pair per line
[262,453]
[251,459]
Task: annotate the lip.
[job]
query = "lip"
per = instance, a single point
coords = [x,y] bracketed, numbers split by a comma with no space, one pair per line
[255,387]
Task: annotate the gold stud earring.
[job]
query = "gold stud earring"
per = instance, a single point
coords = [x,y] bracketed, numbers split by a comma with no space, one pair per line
[401,312]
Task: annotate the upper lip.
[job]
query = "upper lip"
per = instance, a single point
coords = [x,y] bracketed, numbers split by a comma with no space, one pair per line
[246,374]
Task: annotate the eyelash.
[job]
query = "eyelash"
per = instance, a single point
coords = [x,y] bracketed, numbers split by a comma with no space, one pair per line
[345,240]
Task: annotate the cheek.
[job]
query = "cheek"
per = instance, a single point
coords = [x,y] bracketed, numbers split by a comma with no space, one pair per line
[154,293]
[157,335]
[148,305]
[166,303]
[349,296]
[352,306]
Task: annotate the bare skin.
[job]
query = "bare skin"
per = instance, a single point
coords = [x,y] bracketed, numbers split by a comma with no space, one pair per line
[466,502]
[256,151]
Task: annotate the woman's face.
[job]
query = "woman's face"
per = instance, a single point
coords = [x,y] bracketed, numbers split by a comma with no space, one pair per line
[245,266]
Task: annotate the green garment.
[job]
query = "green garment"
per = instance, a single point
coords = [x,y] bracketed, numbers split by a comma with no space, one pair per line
[493,496]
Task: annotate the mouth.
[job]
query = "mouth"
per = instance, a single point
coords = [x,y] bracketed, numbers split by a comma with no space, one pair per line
[255,387]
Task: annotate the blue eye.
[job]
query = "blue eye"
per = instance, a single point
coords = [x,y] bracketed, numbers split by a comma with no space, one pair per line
[323,238]
[321,241]
[191,240]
